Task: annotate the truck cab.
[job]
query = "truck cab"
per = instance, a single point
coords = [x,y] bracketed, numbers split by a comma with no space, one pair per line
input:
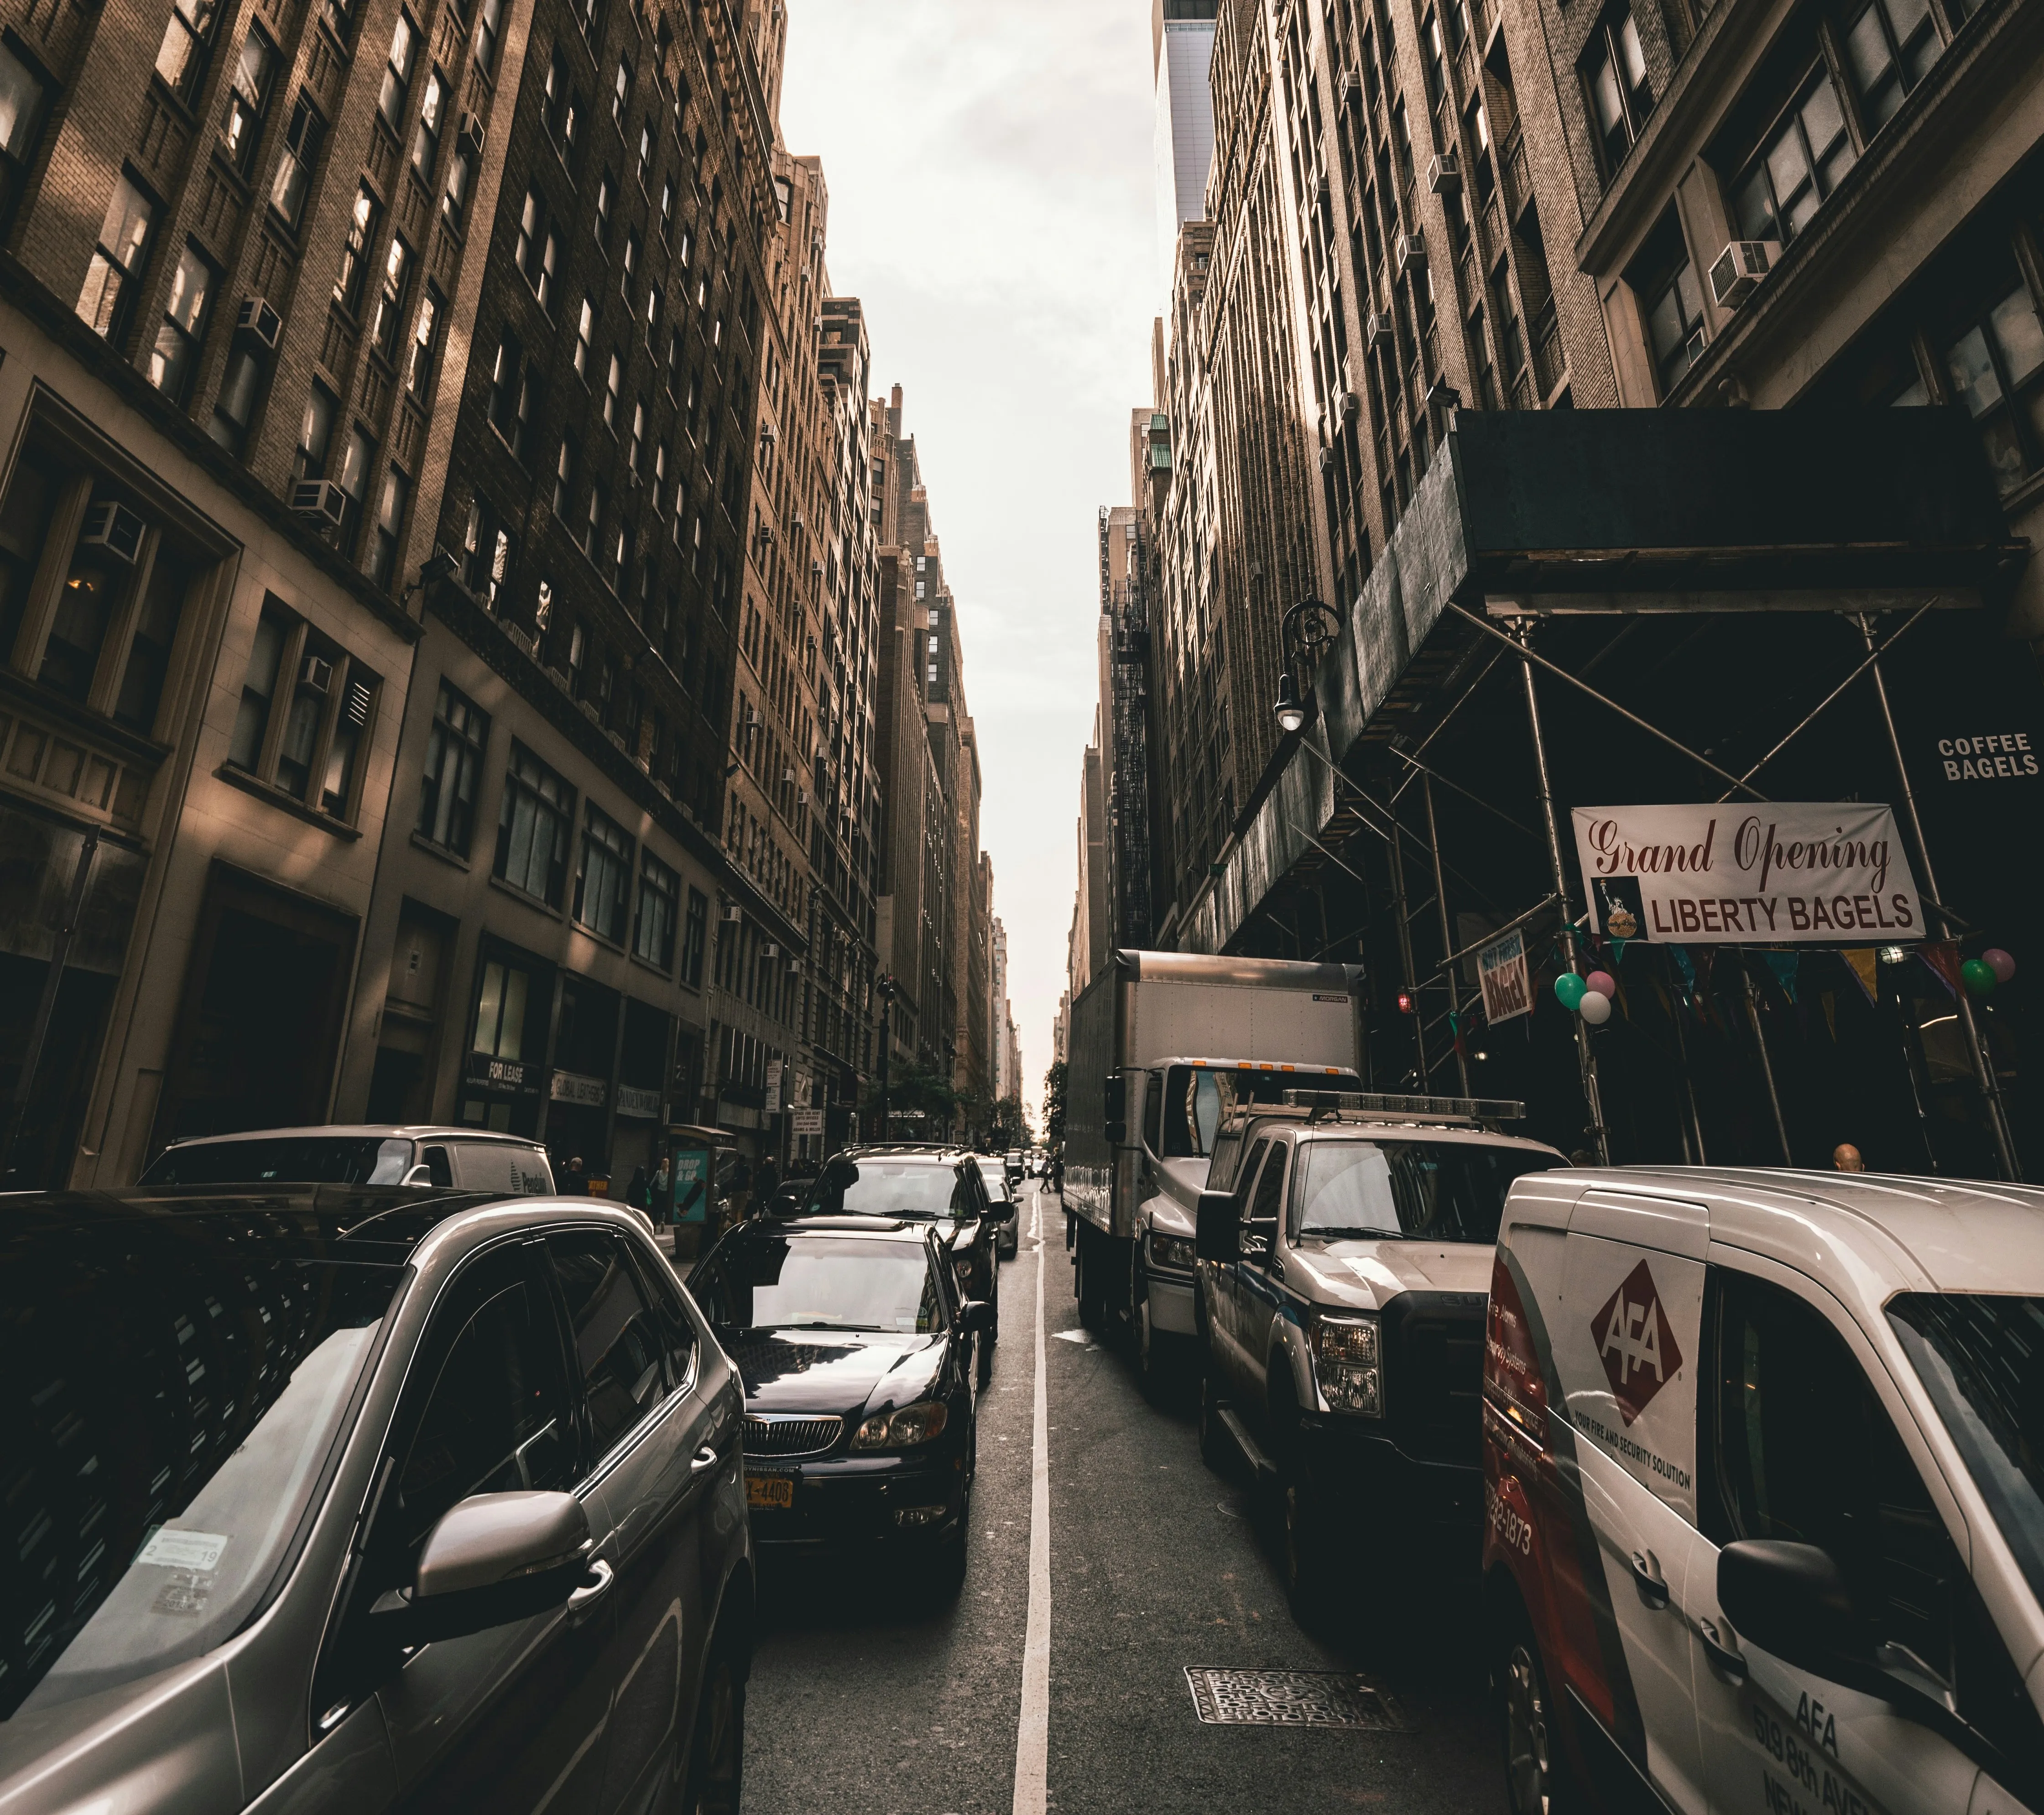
[1344,1247]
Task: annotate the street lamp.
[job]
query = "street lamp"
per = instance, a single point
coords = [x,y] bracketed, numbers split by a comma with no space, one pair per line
[1307,629]
[1291,715]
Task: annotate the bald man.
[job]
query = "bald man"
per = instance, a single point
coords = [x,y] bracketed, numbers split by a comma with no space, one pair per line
[1846,1158]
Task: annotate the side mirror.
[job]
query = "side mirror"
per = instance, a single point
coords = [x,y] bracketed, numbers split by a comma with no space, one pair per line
[976,1315]
[1791,1600]
[1218,1233]
[418,1175]
[493,1559]
[1001,1210]
[1114,1111]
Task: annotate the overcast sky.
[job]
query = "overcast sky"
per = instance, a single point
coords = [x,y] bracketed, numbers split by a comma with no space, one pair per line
[991,201]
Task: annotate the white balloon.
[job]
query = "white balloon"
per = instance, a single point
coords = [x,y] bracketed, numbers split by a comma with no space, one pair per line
[1595,1007]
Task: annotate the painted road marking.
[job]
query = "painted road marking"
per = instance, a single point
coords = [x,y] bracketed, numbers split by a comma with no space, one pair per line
[1033,1730]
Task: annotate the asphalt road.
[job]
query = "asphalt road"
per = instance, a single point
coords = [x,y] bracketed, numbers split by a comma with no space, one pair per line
[867,1699]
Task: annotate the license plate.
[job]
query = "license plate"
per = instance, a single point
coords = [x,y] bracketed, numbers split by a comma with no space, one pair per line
[769,1491]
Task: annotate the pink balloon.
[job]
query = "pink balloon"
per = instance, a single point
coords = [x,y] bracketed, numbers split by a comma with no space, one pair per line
[1600,981]
[1999,963]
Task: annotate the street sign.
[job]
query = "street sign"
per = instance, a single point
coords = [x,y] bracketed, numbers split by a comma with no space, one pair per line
[806,1121]
[773,1105]
[1501,965]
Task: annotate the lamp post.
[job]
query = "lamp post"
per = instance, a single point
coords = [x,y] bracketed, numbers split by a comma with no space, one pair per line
[886,986]
[1306,631]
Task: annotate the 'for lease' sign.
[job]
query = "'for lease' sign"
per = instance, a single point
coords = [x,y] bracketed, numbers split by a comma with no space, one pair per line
[1780,873]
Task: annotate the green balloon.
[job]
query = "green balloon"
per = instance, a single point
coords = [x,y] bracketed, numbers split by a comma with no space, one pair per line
[1978,976]
[1569,989]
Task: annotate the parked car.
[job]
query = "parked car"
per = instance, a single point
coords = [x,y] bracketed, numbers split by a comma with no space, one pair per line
[1016,1165]
[465,1159]
[1344,1246]
[1003,1206]
[352,1499]
[909,1182]
[1764,1470]
[855,1345]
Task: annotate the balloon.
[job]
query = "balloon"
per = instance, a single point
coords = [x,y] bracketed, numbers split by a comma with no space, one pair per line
[1999,963]
[1600,981]
[1596,1007]
[1978,977]
[1568,989]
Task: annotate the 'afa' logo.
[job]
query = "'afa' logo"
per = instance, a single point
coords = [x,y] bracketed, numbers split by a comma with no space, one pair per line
[1635,1344]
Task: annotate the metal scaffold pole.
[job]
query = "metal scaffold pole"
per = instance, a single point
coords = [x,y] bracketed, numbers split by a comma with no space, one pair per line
[1585,1058]
[1976,1035]
[1447,936]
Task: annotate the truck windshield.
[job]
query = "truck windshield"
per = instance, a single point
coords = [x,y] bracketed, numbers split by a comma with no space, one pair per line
[1421,1191]
[1980,1357]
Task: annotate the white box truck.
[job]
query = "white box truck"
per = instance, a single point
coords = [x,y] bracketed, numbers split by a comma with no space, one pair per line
[1163,1045]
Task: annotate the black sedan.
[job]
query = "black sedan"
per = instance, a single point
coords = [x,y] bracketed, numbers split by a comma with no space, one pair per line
[854,1346]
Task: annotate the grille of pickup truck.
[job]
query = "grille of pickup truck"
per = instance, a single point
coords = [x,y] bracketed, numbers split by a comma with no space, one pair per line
[1433,1384]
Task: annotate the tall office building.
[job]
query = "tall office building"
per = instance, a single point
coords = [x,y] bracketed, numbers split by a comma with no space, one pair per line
[1182,35]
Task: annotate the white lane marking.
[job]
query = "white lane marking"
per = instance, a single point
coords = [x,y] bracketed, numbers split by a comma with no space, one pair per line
[1032,1735]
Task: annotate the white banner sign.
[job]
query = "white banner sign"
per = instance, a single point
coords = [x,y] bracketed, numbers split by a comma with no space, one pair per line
[1501,965]
[572,1087]
[806,1122]
[1777,873]
[773,1086]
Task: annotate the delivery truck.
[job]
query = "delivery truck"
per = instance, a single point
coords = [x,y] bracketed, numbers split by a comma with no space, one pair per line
[1164,1046]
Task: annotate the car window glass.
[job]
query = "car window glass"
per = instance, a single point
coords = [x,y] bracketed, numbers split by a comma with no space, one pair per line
[497,1418]
[1246,1177]
[762,1280]
[505,1166]
[1422,1189]
[294,1159]
[1153,1111]
[1227,1150]
[438,1170]
[890,1187]
[1269,1186]
[616,1338]
[678,1329]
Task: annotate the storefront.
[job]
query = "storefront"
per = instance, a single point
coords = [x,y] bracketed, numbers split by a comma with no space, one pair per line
[504,1076]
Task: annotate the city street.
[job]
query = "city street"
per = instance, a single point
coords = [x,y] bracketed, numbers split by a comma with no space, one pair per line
[865,1700]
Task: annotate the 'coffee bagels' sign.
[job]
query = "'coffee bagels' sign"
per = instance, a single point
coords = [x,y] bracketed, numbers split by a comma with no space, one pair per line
[1775,874]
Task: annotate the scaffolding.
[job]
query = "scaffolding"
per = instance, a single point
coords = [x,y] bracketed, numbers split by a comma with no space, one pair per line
[1125,606]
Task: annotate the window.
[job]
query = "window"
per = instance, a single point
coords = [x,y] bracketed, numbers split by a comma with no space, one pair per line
[357,460]
[116,260]
[585,332]
[355,250]
[1614,72]
[620,92]
[559,108]
[532,829]
[315,433]
[630,263]
[461,171]
[603,200]
[155,635]
[637,451]
[667,211]
[454,761]
[594,521]
[85,605]
[425,344]
[1995,368]
[1802,160]
[390,298]
[489,22]
[339,17]
[539,248]
[603,888]
[511,394]
[653,935]
[176,353]
[397,73]
[181,57]
[564,472]
[1889,48]
[487,553]
[306,711]
[1671,303]
[294,168]
[426,139]
[613,377]
[645,149]
[382,564]
[617,1337]
[500,1011]
[248,99]
[259,688]
[654,302]
[695,939]
[350,725]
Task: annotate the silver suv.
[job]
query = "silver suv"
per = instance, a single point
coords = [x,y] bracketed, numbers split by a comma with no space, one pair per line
[349,1499]
[465,1159]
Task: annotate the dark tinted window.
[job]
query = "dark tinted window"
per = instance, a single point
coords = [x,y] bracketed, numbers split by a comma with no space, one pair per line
[883,1187]
[678,1328]
[617,1338]
[171,1391]
[503,1166]
[1428,1191]
[1270,1187]
[294,1159]
[499,1417]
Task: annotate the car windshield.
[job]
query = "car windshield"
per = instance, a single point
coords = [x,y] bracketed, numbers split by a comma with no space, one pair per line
[1421,1190]
[890,1188]
[1980,1357]
[995,1176]
[174,1389]
[291,1159]
[768,1281]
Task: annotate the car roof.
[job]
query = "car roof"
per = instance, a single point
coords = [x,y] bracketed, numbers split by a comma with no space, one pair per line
[1867,1235]
[361,1131]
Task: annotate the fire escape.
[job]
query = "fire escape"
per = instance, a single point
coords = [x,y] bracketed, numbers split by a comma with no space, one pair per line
[1126,608]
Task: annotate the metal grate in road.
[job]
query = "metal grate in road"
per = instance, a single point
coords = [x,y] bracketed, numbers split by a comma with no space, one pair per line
[1292,1698]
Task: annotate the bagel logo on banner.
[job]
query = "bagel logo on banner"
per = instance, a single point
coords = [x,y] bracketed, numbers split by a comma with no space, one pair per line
[1770,873]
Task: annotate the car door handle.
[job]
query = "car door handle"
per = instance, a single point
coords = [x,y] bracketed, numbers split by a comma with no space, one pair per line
[1653,1590]
[601,1575]
[705,1458]
[1728,1663]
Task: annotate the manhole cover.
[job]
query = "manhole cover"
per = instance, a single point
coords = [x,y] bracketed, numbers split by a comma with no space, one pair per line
[1292,1698]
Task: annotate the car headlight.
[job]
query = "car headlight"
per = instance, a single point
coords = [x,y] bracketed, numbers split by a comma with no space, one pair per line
[1171,1250]
[917,1424]
[1347,1357]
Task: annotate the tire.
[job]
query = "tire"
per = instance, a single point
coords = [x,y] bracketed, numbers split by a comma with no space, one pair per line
[1217,1447]
[1151,1365]
[717,1748]
[1084,1269]
[1306,1556]
[1533,1773]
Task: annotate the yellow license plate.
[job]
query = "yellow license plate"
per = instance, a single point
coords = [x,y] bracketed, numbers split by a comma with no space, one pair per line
[769,1491]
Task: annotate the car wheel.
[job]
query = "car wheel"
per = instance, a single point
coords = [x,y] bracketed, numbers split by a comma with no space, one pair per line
[1082,1282]
[1308,1584]
[1532,1777]
[717,1750]
[1217,1449]
[1148,1368]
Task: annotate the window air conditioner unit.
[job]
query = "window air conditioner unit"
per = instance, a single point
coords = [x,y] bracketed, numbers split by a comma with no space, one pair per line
[1411,250]
[1377,330]
[1349,406]
[260,322]
[114,528]
[1328,458]
[316,673]
[319,499]
[801,797]
[472,131]
[1444,174]
[1737,271]
[787,775]
[1349,90]
[770,950]
[733,914]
